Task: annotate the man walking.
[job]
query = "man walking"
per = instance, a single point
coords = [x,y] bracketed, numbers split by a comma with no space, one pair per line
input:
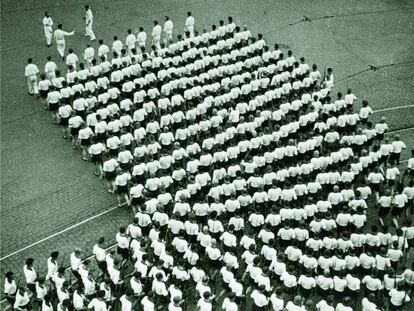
[156,35]
[141,38]
[60,40]
[47,26]
[31,72]
[168,31]
[189,24]
[89,23]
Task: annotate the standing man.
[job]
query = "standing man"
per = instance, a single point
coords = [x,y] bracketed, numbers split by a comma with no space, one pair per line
[141,38]
[10,288]
[130,41]
[168,30]
[50,69]
[88,55]
[189,24]
[47,26]
[103,50]
[60,40]
[156,35]
[89,23]
[31,71]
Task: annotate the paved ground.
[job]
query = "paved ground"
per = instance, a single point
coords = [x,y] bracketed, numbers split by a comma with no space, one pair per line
[46,187]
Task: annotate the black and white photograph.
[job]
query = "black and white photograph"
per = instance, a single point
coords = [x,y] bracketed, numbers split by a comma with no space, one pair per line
[207,155]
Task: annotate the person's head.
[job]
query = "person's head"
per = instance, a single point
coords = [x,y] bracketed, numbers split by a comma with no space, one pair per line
[101,294]
[60,26]
[9,275]
[155,23]
[207,295]
[29,262]
[166,18]
[188,13]
[54,255]
[297,300]
[87,7]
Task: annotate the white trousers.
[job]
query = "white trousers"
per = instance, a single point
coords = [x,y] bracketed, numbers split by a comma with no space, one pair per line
[60,45]
[130,48]
[89,31]
[51,76]
[190,29]
[156,41]
[141,45]
[32,84]
[168,37]
[88,62]
[48,36]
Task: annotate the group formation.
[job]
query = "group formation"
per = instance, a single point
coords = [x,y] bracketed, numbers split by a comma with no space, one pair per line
[250,182]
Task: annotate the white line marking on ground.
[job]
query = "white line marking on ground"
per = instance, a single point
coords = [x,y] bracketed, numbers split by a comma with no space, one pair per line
[58,233]
[401,130]
[393,108]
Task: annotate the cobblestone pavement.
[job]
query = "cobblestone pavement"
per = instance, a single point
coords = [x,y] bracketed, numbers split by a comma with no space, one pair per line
[46,187]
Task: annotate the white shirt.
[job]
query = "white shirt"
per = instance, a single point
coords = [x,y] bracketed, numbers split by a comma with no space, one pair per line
[31,70]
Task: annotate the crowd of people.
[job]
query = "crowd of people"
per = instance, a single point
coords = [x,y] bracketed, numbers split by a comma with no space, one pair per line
[249,180]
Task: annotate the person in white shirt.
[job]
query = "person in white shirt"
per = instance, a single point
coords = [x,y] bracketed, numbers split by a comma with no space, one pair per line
[75,262]
[10,288]
[60,35]
[47,27]
[88,55]
[168,31]
[121,183]
[103,50]
[398,298]
[205,302]
[260,300]
[189,25]
[47,303]
[100,254]
[141,38]
[89,23]
[130,41]
[295,305]
[50,71]
[229,303]
[23,299]
[30,275]
[326,304]
[156,35]
[307,283]
[98,303]
[397,146]
[31,72]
